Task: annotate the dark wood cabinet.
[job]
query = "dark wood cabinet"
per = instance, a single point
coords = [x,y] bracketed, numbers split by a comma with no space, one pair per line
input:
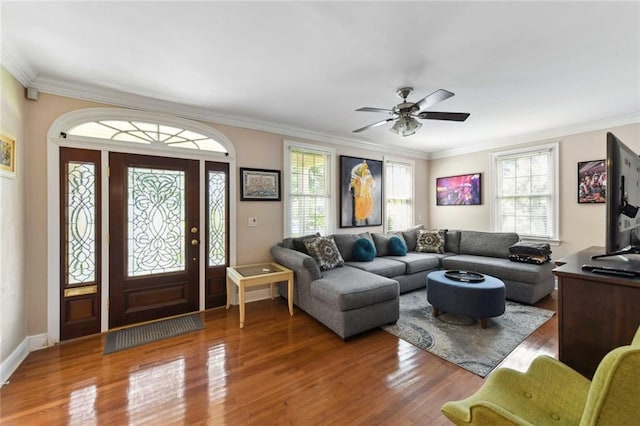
[596,312]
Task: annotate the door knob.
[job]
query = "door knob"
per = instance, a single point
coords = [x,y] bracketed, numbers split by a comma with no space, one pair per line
[194,230]
[194,242]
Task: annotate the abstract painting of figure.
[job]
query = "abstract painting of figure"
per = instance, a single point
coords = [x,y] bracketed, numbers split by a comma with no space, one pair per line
[361,192]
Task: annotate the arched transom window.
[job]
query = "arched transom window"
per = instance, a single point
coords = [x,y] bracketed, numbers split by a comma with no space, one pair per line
[147,133]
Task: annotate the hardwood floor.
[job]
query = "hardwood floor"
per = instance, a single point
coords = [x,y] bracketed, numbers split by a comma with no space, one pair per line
[277,370]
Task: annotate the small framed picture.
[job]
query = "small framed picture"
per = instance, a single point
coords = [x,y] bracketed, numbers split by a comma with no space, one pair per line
[7,156]
[592,181]
[259,185]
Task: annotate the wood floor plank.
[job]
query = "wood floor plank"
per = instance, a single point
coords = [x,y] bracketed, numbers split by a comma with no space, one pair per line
[277,370]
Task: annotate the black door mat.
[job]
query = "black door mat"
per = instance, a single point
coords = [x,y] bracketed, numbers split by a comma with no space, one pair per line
[139,335]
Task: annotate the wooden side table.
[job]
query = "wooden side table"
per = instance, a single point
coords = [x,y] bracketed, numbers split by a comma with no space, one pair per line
[245,276]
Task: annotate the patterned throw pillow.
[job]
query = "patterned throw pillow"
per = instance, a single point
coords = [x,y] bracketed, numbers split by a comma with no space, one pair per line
[430,241]
[325,252]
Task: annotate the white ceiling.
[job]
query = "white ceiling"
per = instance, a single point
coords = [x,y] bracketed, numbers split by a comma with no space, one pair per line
[524,70]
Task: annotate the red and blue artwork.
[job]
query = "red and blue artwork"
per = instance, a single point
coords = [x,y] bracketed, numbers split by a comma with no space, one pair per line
[458,190]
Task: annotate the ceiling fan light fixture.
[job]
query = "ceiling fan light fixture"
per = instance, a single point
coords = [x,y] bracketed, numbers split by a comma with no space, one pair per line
[412,126]
[405,126]
[399,126]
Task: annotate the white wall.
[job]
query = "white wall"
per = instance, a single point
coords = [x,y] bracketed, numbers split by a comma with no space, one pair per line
[13,305]
[581,225]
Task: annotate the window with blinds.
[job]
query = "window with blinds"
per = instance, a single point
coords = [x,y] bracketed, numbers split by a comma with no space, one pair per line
[309,185]
[526,192]
[399,195]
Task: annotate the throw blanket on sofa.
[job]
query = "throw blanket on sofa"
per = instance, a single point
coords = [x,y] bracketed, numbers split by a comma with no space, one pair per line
[524,248]
[536,260]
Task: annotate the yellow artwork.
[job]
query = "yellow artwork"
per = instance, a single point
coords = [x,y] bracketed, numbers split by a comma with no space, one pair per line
[360,192]
[362,184]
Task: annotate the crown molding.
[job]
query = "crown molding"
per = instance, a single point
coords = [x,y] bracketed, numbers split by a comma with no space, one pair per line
[128,100]
[20,71]
[554,133]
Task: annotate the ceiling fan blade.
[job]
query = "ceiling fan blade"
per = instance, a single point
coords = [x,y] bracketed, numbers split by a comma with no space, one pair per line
[379,123]
[369,109]
[432,99]
[449,116]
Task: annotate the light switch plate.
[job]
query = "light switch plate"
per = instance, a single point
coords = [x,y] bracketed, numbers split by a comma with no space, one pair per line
[252,222]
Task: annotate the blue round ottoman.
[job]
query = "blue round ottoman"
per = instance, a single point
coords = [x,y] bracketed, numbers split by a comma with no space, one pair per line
[482,300]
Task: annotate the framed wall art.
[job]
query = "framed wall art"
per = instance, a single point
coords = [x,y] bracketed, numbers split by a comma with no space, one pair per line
[360,192]
[7,156]
[592,181]
[259,184]
[461,190]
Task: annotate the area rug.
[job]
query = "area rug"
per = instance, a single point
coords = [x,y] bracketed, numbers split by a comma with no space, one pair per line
[462,340]
[139,335]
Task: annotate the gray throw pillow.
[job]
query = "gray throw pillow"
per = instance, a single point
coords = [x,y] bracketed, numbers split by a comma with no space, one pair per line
[381,241]
[452,241]
[325,252]
[410,236]
[430,241]
[345,243]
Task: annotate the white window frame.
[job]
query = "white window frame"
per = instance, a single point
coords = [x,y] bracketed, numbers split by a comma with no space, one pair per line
[331,182]
[412,165]
[553,148]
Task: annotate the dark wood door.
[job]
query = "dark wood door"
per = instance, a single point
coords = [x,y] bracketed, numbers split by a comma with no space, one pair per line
[154,238]
[80,242]
[217,232]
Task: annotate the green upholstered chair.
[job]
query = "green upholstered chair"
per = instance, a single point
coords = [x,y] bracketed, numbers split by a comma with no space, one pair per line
[551,393]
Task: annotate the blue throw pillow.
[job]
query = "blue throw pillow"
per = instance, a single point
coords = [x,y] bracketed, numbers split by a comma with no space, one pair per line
[363,250]
[396,247]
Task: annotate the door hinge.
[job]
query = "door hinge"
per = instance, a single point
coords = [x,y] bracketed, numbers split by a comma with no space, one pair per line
[108,171]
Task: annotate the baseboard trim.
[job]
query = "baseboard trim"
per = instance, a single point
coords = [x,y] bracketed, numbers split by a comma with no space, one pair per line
[19,354]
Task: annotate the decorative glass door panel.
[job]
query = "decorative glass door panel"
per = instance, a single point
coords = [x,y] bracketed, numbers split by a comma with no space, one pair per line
[156,221]
[154,244]
[217,184]
[80,242]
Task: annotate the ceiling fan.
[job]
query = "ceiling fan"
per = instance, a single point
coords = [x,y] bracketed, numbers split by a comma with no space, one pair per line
[405,113]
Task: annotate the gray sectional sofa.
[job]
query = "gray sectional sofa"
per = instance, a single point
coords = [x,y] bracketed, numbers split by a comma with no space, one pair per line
[359,296]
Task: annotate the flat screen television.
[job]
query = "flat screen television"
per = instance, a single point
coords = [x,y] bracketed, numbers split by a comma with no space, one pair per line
[622,199]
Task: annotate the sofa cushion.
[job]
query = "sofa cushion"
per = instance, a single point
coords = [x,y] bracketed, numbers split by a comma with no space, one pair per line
[325,252]
[452,241]
[345,242]
[382,243]
[349,288]
[381,266]
[492,244]
[430,241]
[297,243]
[498,267]
[417,262]
[397,246]
[363,250]
[410,236]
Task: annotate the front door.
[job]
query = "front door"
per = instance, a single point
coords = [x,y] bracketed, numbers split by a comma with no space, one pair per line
[154,253]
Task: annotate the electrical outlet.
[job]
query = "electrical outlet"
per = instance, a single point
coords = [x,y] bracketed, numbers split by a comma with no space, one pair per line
[252,222]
